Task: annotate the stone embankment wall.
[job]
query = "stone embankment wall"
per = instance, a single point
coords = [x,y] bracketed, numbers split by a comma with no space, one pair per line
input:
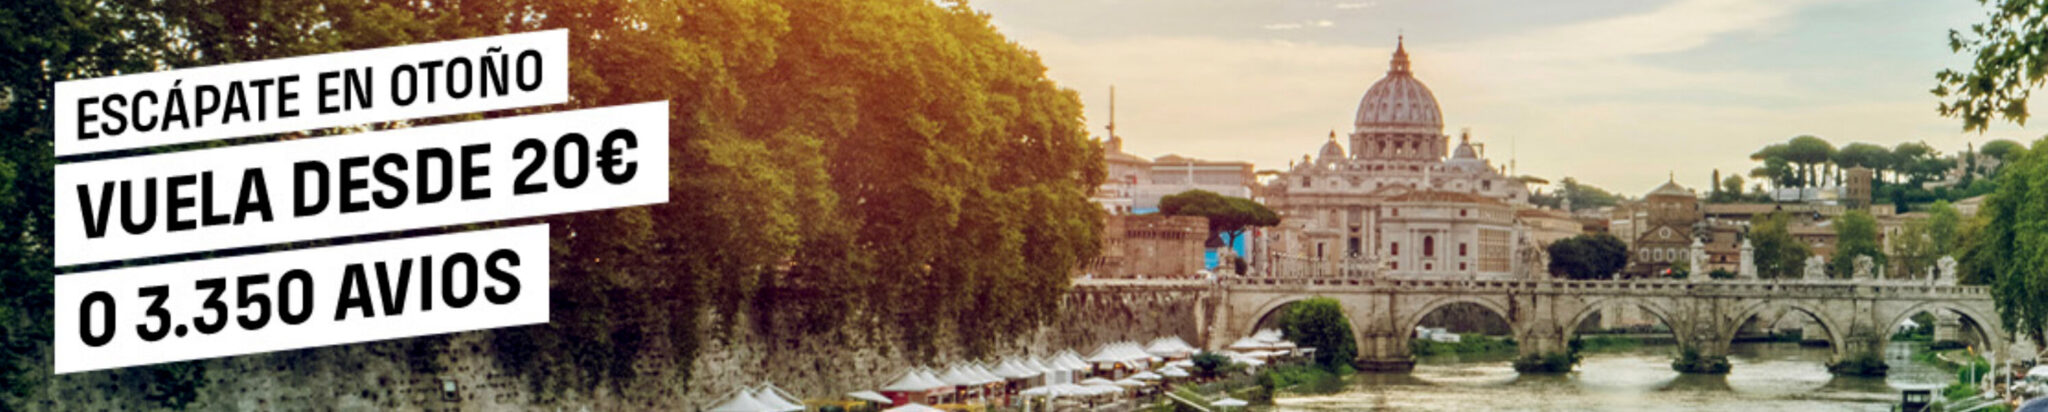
[398,375]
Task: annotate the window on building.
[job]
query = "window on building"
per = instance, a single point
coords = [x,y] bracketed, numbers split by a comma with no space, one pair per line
[1428,246]
[1461,249]
[1305,182]
[1428,267]
[1486,185]
[1319,250]
[1461,266]
[1395,265]
[1351,248]
[1461,212]
[1395,249]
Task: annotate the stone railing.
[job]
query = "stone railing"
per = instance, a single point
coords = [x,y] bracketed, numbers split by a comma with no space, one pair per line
[1305,267]
[1632,286]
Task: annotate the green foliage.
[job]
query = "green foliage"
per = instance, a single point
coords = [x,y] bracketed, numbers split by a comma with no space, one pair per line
[1604,343]
[1855,235]
[2001,148]
[1209,364]
[1468,343]
[1691,361]
[2006,65]
[1862,364]
[1302,379]
[1319,322]
[2012,246]
[1720,274]
[1228,216]
[895,165]
[1583,196]
[1778,255]
[1587,256]
[1546,363]
[172,385]
[1925,241]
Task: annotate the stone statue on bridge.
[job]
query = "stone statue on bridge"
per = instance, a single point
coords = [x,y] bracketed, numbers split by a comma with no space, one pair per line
[1697,257]
[1946,273]
[1816,268]
[1747,270]
[1864,264]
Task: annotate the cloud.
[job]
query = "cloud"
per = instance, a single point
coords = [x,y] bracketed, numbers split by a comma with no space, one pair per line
[1304,24]
[1358,5]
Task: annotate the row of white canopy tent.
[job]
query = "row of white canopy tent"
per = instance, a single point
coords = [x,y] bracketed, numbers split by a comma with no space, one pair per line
[1057,372]
[764,398]
[1263,340]
[1170,347]
[1126,353]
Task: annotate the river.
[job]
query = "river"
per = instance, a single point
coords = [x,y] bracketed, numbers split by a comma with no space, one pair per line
[1764,377]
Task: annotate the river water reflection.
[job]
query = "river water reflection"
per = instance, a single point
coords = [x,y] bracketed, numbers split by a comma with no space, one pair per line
[1765,377]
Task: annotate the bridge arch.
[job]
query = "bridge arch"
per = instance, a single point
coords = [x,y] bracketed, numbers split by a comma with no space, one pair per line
[1410,319]
[1988,328]
[1663,314]
[1271,309]
[1835,329]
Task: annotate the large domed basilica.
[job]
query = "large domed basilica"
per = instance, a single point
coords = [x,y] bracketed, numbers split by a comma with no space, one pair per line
[1401,200]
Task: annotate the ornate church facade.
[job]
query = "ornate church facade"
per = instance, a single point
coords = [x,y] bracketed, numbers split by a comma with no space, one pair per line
[1400,198]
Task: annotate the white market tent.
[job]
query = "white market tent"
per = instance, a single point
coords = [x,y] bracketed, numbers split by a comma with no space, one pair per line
[870,396]
[1071,361]
[982,371]
[914,380]
[1147,376]
[1172,371]
[774,402]
[1014,369]
[1170,347]
[740,401]
[955,376]
[782,397]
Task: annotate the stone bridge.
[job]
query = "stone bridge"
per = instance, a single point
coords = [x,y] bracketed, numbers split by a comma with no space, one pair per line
[1704,317]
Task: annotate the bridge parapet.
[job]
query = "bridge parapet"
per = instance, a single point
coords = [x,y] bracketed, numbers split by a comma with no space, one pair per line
[1831,288]
[1543,314]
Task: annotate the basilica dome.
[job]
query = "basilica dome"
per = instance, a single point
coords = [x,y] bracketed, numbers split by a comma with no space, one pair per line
[1331,151]
[1398,101]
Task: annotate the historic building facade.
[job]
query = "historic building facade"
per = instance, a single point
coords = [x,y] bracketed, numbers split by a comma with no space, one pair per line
[1403,198]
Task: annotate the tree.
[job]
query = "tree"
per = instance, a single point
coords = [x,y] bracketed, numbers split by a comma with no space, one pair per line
[1228,216]
[1209,364]
[2011,247]
[1587,256]
[1584,196]
[1319,322]
[898,165]
[1999,149]
[1913,250]
[2007,64]
[1918,162]
[1808,151]
[1729,189]
[1875,157]
[1778,255]
[1855,235]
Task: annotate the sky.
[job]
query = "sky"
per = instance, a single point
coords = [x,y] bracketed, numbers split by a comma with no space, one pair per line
[1619,94]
